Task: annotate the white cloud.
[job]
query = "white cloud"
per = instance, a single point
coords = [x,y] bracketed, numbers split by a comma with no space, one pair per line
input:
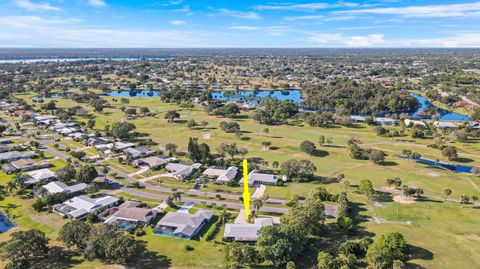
[457,40]
[340,40]
[35,31]
[31,6]
[239,14]
[245,28]
[304,7]
[450,10]
[320,18]
[177,22]
[97,3]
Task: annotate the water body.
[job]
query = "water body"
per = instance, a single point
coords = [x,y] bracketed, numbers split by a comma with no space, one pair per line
[449,166]
[144,94]
[254,97]
[46,60]
[5,223]
[444,114]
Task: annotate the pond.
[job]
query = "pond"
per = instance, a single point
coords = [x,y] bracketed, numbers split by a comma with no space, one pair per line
[449,166]
[444,114]
[144,94]
[5,223]
[254,97]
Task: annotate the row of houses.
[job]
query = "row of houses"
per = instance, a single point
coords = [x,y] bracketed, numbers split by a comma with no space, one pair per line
[409,122]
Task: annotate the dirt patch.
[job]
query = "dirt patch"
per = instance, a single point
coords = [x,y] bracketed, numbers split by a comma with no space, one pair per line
[432,174]
[401,199]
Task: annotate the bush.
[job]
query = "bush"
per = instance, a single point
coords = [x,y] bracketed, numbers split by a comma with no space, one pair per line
[140,232]
[189,248]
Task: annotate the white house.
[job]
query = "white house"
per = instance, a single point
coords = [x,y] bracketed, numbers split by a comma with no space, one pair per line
[59,187]
[256,177]
[444,124]
[221,175]
[243,231]
[78,207]
[40,175]
[385,121]
[409,122]
[181,171]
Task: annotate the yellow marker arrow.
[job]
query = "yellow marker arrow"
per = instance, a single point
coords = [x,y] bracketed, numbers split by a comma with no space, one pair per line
[246,194]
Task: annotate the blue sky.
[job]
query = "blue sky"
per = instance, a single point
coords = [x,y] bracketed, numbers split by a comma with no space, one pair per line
[228,23]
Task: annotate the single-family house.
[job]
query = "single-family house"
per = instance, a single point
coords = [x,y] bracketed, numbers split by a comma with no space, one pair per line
[221,175]
[444,124]
[409,123]
[23,165]
[139,152]
[181,171]
[36,176]
[385,121]
[79,207]
[4,148]
[357,118]
[182,225]
[11,156]
[95,141]
[152,162]
[255,177]
[60,187]
[243,231]
[130,215]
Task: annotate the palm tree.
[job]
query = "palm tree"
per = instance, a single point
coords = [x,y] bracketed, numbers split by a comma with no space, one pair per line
[19,180]
[447,192]
[177,196]
[11,187]
[223,216]
[257,204]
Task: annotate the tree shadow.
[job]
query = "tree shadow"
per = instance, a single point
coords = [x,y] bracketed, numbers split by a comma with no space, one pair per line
[320,153]
[463,160]
[389,163]
[57,258]
[149,259]
[418,253]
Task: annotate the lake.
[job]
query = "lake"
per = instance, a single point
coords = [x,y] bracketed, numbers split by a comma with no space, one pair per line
[451,167]
[444,114]
[144,94]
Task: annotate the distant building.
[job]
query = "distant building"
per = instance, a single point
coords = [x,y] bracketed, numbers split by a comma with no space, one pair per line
[152,162]
[409,122]
[182,224]
[23,165]
[385,121]
[357,118]
[444,124]
[139,152]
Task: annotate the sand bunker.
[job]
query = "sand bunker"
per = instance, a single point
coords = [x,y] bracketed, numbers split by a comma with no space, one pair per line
[401,199]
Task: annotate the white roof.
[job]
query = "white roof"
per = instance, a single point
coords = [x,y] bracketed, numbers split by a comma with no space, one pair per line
[247,231]
[255,176]
[222,174]
[444,124]
[39,175]
[185,223]
[409,122]
[84,204]
[57,186]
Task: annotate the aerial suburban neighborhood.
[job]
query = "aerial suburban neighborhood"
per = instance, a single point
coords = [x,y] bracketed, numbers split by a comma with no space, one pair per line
[328,135]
